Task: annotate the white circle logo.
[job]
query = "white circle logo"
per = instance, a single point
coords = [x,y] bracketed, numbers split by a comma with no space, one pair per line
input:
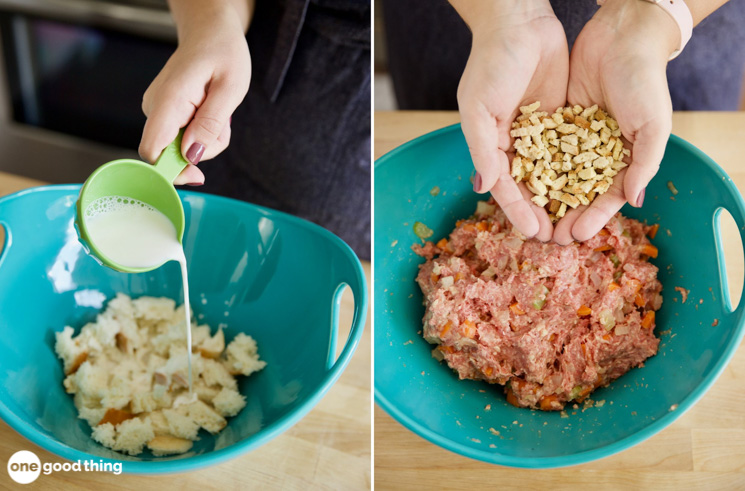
[24,467]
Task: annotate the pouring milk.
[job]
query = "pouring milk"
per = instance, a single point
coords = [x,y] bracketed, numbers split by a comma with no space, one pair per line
[136,235]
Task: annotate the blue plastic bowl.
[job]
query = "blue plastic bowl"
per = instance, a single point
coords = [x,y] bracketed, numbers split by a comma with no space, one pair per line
[274,276]
[427,397]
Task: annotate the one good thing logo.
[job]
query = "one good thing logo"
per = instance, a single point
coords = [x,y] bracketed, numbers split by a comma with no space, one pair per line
[24,467]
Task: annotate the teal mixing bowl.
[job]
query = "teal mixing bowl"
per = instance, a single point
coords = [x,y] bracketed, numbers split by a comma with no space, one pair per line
[427,397]
[274,276]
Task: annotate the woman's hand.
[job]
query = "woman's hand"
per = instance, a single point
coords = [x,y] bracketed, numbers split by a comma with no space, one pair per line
[518,56]
[618,62]
[200,86]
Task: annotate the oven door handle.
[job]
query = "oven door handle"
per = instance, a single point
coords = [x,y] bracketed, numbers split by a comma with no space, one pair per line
[138,20]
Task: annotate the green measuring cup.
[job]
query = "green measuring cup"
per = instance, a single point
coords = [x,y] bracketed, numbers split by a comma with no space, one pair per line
[134,179]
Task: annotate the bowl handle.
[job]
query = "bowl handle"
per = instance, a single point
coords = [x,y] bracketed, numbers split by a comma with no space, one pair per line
[6,235]
[349,273]
[740,222]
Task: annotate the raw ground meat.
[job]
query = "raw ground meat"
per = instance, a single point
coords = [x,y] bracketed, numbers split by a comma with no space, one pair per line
[551,323]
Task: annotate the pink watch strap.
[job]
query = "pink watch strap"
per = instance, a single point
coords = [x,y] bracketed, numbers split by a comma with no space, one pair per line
[681,14]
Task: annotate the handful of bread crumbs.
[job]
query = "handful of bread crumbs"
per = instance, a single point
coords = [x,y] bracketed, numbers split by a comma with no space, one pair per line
[566,159]
[128,371]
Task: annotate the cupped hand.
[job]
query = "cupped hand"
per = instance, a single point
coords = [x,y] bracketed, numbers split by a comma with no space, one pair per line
[200,86]
[618,62]
[519,55]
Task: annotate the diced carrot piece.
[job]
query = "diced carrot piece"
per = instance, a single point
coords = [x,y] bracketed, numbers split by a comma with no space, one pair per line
[435,278]
[552,338]
[488,371]
[511,398]
[458,276]
[649,250]
[584,310]
[442,243]
[515,308]
[648,319]
[603,248]
[584,393]
[482,225]
[606,337]
[639,300]
[469,227]
[613,286]
[550,403]
[653,231]
[469,329]
[445,329]
[459,223]
[603,232]
[446,349]
[584,349]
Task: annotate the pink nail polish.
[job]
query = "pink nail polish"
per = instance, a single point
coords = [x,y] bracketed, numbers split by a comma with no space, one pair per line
[640,199]
[477,183]
[195,184]
[195,152]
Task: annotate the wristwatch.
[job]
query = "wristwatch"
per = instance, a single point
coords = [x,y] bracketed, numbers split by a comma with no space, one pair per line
[678,10]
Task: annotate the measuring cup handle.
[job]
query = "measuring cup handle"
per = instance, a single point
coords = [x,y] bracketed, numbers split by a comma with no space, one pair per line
[171,162]
[349,273]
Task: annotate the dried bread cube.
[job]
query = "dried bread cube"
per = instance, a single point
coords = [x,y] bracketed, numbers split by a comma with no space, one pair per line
[205,416]
[567,152]
[129,437]
[242,356]
[128,372]
[228,402]
[180,424]
[213,346]
[169,445]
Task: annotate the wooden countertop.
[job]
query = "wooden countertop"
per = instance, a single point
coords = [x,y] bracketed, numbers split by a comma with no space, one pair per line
[704,449]
[329,448]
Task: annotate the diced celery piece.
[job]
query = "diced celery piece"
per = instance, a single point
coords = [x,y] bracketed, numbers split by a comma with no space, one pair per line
[422,231]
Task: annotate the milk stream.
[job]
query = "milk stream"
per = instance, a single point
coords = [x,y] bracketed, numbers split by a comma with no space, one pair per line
[136,235]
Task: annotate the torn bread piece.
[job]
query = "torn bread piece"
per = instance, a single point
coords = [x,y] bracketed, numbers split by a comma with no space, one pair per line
[569,152]
[128,373]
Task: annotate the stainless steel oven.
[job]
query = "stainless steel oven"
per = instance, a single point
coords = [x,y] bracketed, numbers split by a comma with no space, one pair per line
[73,75]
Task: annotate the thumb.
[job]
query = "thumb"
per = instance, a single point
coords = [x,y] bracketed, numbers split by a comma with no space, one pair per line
[649,147]
[210,119]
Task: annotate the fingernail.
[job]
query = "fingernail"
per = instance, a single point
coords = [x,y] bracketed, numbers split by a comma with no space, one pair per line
[477,183]
[195,152]
[194,184]
[640,199]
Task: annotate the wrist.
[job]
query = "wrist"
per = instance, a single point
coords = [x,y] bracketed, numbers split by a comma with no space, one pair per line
[642,22]
[485,16]
[196,20]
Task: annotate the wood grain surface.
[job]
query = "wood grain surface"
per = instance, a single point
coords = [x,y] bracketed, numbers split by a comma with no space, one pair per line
[703,450]
[328,449]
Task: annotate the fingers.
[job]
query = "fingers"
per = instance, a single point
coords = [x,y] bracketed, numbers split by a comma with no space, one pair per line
[545,227]
[649,147]
[482,135]
[165,117]
[584,222]
[563,230]
[201,138]
[220,144]
[512,201]
[191,175]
